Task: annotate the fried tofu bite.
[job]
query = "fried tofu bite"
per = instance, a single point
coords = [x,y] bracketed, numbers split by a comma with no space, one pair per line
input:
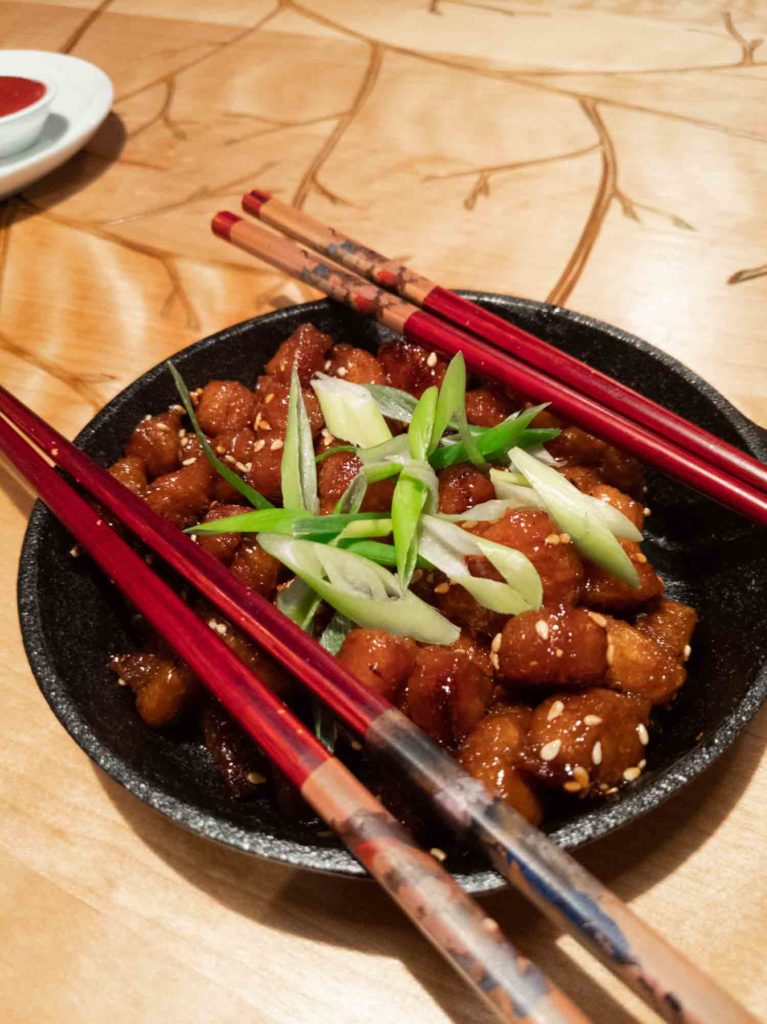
[271,407]
[254,568]
[410,367]
[461,487]
[556,647]
[592,739]
[488,406]
[164,687]
[493,753]
[532,531]
[337,471]
[224,405]
[306,348]
[354,364]
[380,661]
[606,592]
[446,694]
[156,442]
[131,472]
[671,624]
[633,510]
[184,495]
[639,664]
[223,546]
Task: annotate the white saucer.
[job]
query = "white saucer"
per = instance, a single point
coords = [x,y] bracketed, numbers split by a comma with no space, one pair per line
[82,102]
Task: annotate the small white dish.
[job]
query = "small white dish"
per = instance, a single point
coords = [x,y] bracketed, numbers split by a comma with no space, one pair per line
[81,97]
[19,129]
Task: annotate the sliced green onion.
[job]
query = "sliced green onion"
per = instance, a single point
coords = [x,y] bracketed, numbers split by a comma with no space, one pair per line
[408,503]
[452,409]
[567,507]
[513,488]
[393,448]
[446,546]
[422,424]
[297,523]
[351,500]
[298,470]
[299,602]
[333,635]
[381,471]
[393,403]
[276,520]
[381,554]
[350,411]
[253,496]
[333,451]
[365,528]
[495,442]
[361,590]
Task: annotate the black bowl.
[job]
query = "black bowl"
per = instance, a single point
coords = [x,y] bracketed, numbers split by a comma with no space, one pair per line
[72,619]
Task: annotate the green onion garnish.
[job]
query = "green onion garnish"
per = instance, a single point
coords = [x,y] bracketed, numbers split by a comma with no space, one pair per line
[496,442]
[576,516]
[253,496]
[298,470]
[350,411]
[361,590]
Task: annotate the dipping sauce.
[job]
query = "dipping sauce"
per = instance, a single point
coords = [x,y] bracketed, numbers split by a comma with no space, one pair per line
[18,93]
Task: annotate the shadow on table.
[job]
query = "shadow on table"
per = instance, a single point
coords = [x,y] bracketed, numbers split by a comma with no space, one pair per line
[77,173]
[354,913]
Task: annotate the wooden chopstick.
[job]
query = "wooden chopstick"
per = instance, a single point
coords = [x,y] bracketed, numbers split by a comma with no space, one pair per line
[421,327]
[471,941]
[548,876]
[506,336]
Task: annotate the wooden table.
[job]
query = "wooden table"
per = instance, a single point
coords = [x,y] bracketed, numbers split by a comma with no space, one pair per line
[576,152]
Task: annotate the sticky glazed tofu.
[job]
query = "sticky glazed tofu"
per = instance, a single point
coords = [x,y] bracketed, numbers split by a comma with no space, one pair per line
[532,652]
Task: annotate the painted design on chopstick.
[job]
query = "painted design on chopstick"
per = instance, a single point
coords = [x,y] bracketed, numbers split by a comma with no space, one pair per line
[520,853]
[457,926]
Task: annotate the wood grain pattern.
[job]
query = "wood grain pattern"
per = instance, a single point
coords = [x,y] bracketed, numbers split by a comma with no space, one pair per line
[609,155]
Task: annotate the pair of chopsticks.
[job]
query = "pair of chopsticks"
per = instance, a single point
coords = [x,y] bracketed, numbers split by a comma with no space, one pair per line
[552,880]
[470,940]
[498,349]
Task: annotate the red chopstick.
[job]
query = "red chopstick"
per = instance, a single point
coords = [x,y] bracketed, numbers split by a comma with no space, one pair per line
[470,940]
[556,883]
[425,329]
[506,336]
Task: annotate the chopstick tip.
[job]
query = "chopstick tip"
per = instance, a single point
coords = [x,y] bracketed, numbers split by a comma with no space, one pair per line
[253,201]
[223,222]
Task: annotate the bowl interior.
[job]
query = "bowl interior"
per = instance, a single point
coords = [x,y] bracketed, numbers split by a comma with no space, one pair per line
[72,619]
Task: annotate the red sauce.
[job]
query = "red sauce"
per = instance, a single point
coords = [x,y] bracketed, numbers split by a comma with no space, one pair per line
[17,93]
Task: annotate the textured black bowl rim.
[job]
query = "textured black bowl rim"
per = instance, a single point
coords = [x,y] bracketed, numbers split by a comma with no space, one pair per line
[593,824]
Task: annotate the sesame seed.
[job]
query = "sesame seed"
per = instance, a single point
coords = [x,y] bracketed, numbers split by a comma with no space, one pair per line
[611,790]
[599,619]
[438,854]
[542,629]
[342,371]
[686,652]
[248,466]
[610,654]
[147,417]
[264,425]
[644,736]
[596,753]
[275,445]
[647,511]
[640,558]
[489,924]
[230,458]
[182,434]
[632,774]
[356,745]
[220,449]
[188,462]
[550,750]
[163,427]
[553,538]
[572,787]
[241,467]
[257,421]
[442,588]
[175,408]
[581,775]
[432,359]
[121,681]
[495,662]
[259,445]
[495,646]
[642,763]
[74,552]
[555,710]
[269,398]
[592,720]
[256,778]
[327,364]
[196,393]
[564,538]
[559,652]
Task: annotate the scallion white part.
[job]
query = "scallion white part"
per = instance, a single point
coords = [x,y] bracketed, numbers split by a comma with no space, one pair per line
[447,546]
[361,590]
[350,411]
[576,516]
